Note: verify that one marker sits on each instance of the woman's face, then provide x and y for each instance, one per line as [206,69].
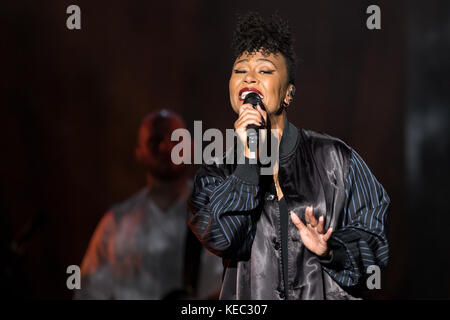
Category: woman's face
[264,74]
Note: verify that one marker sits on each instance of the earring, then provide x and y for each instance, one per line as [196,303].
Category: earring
[291,94]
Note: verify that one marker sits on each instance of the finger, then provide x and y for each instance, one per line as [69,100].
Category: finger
[309,216]
[296,220]
[249,107]
[307,220]
[245,121]
[253,112]
[241,109]
[328,234]
[245,107]
[262,112]
[248,122]
[320,225]
[250,110]
[312,217]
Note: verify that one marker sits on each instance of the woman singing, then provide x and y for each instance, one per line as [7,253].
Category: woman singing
[311,229]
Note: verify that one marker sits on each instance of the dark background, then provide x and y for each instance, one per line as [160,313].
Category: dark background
[72,100]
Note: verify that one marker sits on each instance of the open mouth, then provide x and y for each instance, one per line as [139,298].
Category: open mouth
[245,91]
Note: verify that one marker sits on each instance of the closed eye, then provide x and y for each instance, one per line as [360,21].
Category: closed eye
[261,72]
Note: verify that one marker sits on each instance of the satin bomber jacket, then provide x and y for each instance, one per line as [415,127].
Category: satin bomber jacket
[235,214]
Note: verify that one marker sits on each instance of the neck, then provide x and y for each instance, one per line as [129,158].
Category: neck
[278,122]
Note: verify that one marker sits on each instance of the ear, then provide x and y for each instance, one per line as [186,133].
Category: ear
[290,93]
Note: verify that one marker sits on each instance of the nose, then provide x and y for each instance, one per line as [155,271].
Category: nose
[250,77]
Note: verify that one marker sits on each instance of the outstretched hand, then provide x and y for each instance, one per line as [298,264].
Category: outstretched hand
[313,236]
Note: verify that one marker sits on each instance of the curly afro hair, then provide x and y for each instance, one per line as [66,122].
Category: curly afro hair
[272,35]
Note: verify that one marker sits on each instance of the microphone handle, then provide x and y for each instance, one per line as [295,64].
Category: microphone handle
[252,139]
[252,135]
[254,126]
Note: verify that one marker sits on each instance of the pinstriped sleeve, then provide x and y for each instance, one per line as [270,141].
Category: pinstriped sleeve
[361,241]
[222,209]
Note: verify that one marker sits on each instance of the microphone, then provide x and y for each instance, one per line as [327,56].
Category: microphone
[254,99]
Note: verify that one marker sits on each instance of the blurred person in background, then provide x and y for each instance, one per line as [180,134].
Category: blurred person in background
[142,247]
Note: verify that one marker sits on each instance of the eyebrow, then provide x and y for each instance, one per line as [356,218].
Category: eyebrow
[260,59]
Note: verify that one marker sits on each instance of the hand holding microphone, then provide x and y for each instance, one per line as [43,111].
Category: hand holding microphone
[252,115]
